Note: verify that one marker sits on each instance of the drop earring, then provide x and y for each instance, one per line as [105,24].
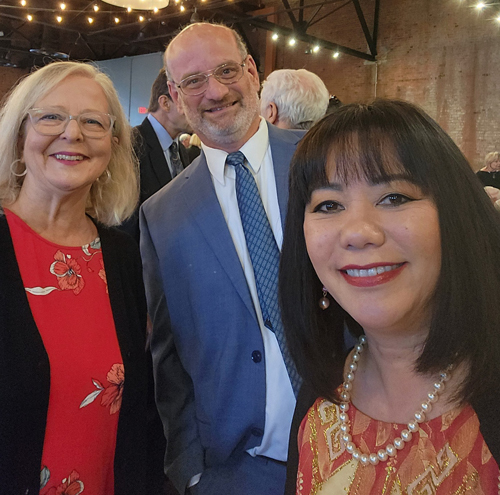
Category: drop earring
[324,302]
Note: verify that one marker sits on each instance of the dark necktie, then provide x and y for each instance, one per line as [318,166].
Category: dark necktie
[264,254]
[175,159]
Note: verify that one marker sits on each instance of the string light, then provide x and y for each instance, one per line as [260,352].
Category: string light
[336,55]
[62,6]
[480,5]
[59,18]
[155,10]
[90,20]
[141,18]
[23,3]
[29,17]
[129,9]
[315,49]
[292,41]
[117,20]
[498,18]
[96,8]
[183,8]
[275,36]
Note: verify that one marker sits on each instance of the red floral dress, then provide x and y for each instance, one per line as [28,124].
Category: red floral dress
[68,297]
[448,456]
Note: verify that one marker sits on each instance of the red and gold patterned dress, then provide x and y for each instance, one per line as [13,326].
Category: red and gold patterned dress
[447,457]
[68,297]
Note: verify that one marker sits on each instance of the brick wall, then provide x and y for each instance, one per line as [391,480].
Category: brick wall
[9,77]
[443,55]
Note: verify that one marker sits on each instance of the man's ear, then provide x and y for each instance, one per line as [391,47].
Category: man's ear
[174,93]
[271,113]
[164,103]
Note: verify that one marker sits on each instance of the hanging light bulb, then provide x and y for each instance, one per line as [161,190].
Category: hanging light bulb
[292,41]
[62,6]
[336,55]
[275,36]
[315,49]
[59,18]
[29,17]
[90,20]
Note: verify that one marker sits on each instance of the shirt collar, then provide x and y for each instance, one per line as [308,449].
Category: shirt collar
[161,133]
[254,150]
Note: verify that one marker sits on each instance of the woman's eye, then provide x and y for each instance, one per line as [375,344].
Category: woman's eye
[51,116]
[329,207]
[395,200]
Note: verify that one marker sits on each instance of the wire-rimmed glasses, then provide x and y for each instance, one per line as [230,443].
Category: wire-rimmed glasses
[197,84]
[53,121]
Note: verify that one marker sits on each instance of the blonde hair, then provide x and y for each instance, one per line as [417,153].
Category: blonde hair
[115,194]
[491,157]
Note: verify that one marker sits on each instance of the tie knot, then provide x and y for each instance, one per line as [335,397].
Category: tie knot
[235,159]
[173,147]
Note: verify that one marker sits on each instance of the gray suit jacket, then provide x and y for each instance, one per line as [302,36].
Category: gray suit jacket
[210,389]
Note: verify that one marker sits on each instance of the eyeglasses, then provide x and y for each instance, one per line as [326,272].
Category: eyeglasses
[226,74]
[53,121]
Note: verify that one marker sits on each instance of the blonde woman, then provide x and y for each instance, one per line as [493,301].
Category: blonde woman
[73,373]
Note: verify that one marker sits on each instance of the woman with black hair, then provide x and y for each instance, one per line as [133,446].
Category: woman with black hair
[389,234]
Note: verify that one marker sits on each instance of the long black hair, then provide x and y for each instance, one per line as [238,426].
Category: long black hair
[367,140]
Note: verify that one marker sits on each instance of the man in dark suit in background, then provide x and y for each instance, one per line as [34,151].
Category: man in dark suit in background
[161,156]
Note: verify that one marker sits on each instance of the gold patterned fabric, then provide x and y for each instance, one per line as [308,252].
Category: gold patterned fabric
[447,457]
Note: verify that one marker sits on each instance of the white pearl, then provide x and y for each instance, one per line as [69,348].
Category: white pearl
[373,458]
[345,396]
[350,376]
[356,455]
[398,443]
[406,435]
[382,455]
[445,376]
[426,406]
[347,386]
[419,417]
[359,348]
[355,357]
[413,426]
[344,428]
[362,339]
[439,387]
[346,438]
[353,366]
[364,459]
[391,450]
[432,397]
[344,406]
[343,417]
[350,447]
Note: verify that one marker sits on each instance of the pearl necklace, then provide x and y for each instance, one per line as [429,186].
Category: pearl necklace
[412,427]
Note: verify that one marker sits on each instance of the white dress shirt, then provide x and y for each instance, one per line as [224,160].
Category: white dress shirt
[280,400]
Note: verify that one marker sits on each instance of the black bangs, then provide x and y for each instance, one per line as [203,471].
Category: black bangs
[366,142]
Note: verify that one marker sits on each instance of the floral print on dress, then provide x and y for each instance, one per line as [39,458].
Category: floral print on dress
[112,394]
[72,485]
[102,275]
[68,271]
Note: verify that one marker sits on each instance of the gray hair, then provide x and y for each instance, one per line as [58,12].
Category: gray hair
[300,96]
[109,201]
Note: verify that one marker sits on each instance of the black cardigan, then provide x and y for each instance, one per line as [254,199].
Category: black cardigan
[487,410]
[25,369]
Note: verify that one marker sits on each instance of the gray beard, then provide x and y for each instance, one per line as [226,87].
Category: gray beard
[226,134]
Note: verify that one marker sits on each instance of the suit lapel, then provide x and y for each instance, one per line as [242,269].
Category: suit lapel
[213,226]
[155,153]
[283,145]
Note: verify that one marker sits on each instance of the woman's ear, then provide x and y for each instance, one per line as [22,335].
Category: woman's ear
[116,140]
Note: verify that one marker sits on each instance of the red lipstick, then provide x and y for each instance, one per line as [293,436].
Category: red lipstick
[371,275]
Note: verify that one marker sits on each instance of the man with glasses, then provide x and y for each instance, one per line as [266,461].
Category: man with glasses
[225,383]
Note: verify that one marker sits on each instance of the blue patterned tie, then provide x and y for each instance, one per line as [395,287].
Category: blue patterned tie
[175,159]
[264,254]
